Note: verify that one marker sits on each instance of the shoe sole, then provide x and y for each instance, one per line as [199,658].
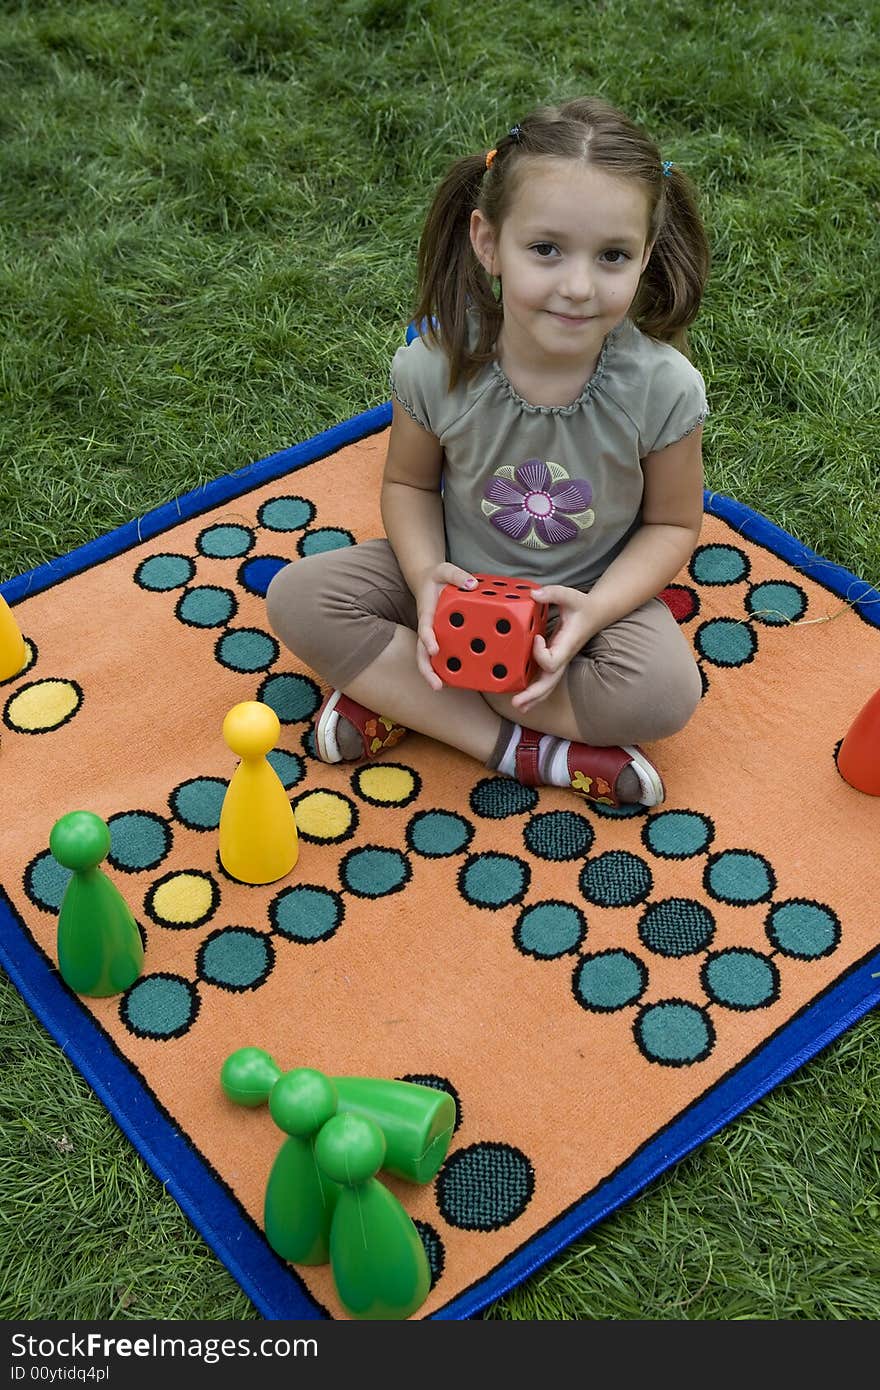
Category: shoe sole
[325,753]
[647,768]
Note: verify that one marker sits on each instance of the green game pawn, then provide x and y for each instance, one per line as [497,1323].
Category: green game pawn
[377,1258]
[417,1121]
[248,1075]
[100,951]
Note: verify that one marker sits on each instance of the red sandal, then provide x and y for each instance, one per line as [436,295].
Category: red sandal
[593,771]
[377,733]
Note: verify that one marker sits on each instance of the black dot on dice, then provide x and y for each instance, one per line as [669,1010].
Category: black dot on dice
[499,672]
[456,619]
[478,645]
[502,625]
[453,664]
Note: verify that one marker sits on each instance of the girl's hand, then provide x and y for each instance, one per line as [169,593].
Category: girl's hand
[574,630]
[427,594]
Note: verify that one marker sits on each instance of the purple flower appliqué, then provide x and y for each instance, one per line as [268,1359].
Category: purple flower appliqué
[538,504]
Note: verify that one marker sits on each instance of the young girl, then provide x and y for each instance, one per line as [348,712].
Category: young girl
[544,426]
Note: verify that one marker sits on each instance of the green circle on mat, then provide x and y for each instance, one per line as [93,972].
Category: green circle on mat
[286,513]
[246,649]
[484,1187]
[198,803]
[493,880]
[45,881]
[493,798]
[559,835]
[802,929]
[163,572]
[726,642]
[327,538]
[776,603]
[676,927]
[225,542]
[678,834]
[289,766]
[306,913]
[719,564]
[138,840]
[738,876]
[674,1033]
[293,698]
[616,879]
[373,872]
[207,606]
[609,980]
[437,834]
[550,929]
[741,979]
[160,1006]
[236,957]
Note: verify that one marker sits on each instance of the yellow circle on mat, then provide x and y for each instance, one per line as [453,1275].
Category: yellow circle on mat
[43,705]
[324,815]
[183,898]
[393,785]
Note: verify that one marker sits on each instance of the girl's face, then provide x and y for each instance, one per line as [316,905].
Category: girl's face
[569,253]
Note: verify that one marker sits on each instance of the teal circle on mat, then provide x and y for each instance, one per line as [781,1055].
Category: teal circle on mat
[237,958]
[549,929]
[289,766]
[776,603]
[293,698]
[609,980]
[286,513]
[163,572]
[207,605]
[484,1187]
[559,835]
[674,1033]
[719,564]
[246,649]
[740,979]
[138,840]
[676,927]
[739,877]
[45,881]
[678,834]
[494,798]
[374,872]
[804,930]
[434,1250]
[326,538]
[225,542]
[437,834]
[306,913]
[160,1006]
[493,880]
[198,802]
[726,642]
[616,879]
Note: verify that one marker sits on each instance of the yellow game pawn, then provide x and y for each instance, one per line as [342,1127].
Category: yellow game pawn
[13,652]
[258,839]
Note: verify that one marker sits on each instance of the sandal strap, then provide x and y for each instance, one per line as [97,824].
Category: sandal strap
[369,725]
[527,757]
[594,770]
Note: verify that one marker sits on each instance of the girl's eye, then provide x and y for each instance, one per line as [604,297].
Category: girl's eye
[614,256]
[544,249]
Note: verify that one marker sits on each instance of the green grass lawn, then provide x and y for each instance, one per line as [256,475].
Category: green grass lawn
[210,214]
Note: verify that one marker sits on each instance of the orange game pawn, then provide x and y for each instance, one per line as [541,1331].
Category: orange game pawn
[858,759]
[258,836]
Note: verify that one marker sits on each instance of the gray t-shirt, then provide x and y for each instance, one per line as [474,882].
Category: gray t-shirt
[550,493]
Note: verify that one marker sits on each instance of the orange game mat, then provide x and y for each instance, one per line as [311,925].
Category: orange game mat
[599,990]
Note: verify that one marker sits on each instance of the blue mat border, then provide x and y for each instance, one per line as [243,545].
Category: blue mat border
[270,1283]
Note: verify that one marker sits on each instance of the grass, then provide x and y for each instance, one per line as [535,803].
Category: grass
[209,222]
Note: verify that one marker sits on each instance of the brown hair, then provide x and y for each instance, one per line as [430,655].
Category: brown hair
[451,280]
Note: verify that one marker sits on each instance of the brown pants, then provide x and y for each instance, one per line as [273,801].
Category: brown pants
[634,682]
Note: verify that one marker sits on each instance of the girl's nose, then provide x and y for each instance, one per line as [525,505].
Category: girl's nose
[577,283]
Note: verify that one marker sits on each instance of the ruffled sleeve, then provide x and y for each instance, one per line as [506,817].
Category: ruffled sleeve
[419,382]
[675,405]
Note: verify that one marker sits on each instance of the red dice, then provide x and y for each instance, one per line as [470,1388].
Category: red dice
[486,634]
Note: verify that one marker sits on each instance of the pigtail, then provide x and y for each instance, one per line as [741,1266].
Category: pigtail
[672,285]
[450,278]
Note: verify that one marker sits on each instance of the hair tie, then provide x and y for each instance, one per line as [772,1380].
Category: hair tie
[489,157]
[667,168]
[515,133]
